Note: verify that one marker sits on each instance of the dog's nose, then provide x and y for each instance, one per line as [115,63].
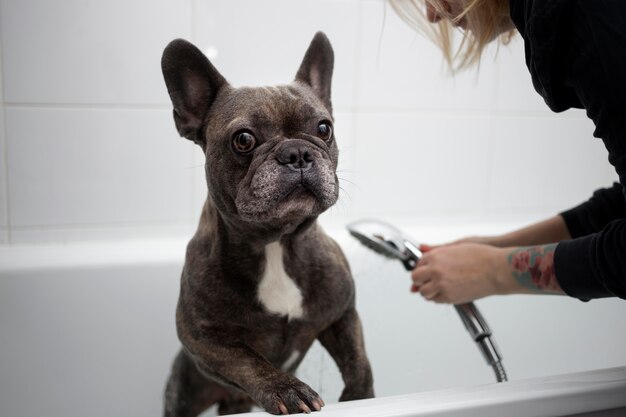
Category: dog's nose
[296,156]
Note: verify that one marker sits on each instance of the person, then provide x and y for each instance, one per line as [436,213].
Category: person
[576,53]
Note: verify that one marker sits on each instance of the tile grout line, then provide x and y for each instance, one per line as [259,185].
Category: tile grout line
[88,106]
[487,193]
[5,143]
[400,111]
[355,94]
[114,223]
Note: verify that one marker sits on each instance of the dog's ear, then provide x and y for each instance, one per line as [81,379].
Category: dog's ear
[193,83]
[316,69]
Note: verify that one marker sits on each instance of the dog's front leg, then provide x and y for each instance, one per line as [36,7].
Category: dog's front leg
[240,366]
[344,341]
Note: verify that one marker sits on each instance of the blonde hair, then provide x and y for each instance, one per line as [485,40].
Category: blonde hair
[486,20]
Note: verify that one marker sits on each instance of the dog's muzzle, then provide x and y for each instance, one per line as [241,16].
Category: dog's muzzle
[298,178]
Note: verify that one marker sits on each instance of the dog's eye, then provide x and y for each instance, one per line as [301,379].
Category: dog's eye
[244,142]
[324,131]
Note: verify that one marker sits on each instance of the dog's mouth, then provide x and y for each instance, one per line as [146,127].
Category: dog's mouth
[300,191]
[277,198]
[299,198]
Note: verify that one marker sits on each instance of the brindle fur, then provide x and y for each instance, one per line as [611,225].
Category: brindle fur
[233,348]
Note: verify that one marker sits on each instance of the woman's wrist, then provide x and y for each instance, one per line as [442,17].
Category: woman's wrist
[528,269]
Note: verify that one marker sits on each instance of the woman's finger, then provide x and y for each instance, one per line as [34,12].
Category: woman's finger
[428,291]
[420,275]
[425,248]
[440,298]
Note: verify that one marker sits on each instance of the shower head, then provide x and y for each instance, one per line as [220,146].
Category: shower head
[389,241]
[386,240]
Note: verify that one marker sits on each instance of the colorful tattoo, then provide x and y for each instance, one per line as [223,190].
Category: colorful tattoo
[534,268]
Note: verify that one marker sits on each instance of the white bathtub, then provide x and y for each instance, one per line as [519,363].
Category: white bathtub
[599,393]
[88,330]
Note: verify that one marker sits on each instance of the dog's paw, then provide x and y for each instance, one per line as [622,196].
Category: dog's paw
[289,396]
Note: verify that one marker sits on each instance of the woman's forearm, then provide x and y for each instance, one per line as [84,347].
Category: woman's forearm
[530,270]
[547,231]
[467,271]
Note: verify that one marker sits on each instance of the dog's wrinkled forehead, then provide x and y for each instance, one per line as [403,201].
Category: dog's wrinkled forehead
[286,108]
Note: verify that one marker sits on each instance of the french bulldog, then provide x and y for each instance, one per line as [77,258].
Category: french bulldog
[261,280]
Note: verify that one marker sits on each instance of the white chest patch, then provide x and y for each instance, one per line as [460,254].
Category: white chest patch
[277,291]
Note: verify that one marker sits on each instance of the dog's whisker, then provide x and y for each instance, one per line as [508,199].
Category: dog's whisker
[339,206]
[347,180]
[353,184]
[345,193]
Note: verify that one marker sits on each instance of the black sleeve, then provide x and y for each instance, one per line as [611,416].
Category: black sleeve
[592,37]
[594,266]
[606,205]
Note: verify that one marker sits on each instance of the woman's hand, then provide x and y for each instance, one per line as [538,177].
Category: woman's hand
[460,272]
[521,261]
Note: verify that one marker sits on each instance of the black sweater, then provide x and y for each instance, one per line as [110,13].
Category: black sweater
[576,54]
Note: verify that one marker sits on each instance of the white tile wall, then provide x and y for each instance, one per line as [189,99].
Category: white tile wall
[91,151]
[418,164]
[551,162]
[399,69]
[266,44]
[88,51]
[514,87]
[105,166]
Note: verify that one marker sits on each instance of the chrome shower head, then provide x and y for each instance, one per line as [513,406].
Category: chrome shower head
[386,240]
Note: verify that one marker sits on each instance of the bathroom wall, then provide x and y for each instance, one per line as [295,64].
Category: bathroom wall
[88,150]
